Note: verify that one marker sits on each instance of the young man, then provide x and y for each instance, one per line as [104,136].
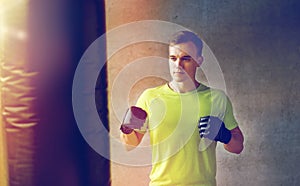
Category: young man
[178,116]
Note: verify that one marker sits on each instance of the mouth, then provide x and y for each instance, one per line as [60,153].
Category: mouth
[178,72]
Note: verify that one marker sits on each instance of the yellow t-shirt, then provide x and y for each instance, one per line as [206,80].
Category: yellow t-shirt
[172,124]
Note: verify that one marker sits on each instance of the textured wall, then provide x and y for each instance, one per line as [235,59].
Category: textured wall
[257,46]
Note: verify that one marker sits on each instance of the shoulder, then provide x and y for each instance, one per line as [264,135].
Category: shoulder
[153,91]
[218,92]
[217,95]
[214,92]
[148,95]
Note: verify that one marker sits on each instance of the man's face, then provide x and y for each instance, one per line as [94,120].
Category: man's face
[183,61]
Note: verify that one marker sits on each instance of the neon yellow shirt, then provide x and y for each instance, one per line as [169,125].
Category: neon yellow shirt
[172,124]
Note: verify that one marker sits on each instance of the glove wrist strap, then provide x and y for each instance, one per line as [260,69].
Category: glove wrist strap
[226,136]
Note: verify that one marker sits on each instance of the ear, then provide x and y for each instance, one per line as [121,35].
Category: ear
[200,60]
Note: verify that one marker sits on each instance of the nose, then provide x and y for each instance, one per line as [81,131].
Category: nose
[178,62]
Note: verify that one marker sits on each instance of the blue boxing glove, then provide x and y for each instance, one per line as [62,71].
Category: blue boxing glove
[214,129]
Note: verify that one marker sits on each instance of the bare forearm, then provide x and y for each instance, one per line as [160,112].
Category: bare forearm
[235,145]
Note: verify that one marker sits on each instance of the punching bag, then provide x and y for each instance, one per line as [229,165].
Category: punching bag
[40,141]
[18,95]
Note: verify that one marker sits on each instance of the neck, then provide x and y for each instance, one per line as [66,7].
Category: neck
[182,87]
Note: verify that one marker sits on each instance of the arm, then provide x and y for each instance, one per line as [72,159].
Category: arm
[235,145]
[131,140]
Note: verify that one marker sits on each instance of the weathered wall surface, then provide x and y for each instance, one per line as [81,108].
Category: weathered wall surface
[257,46]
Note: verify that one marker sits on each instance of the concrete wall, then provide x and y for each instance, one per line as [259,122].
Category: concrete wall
[257,46]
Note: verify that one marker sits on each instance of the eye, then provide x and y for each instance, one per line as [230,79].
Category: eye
[172,58]
[186,58]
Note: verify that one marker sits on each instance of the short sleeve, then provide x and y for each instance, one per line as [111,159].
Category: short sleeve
[229,119]
[142,102]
